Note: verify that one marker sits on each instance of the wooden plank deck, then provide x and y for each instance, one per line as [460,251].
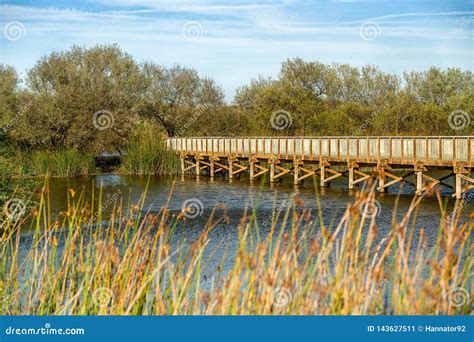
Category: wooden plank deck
[381,152]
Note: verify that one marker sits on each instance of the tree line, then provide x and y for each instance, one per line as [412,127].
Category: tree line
[97,98]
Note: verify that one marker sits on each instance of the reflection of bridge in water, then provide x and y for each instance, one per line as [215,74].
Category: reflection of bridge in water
[305,157]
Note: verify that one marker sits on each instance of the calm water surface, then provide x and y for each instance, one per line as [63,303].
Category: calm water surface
[235,196]
[238,195]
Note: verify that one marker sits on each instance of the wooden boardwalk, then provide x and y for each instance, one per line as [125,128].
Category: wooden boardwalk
[317,156]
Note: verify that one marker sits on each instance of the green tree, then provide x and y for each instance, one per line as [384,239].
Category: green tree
[178,97]
[9,82]
[84,99]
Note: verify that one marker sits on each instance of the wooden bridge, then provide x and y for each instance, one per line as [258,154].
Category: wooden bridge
[333,157]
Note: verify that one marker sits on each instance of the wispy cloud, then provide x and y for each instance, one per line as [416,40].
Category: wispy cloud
[242,39]
[422,15]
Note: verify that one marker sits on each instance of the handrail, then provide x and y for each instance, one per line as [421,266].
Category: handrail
[322,136]
[427,150]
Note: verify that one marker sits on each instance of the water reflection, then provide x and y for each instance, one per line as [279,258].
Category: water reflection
[240,194]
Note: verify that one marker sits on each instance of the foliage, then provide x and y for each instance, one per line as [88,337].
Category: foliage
[343,100]
[68,88]
[56,106]
[146,154]
[176,95]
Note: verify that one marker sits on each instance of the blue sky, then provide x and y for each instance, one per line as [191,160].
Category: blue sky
[235,41]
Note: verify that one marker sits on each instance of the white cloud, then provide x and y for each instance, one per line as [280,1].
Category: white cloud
[242,43]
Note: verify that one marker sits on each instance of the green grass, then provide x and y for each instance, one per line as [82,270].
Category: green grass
[66,163]
[147,155]
[128,265]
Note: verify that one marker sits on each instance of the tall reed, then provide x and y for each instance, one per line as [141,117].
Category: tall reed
[129,264]
[146,155]
[63,163]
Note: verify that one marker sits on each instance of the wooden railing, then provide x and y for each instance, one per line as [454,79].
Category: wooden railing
[435,151]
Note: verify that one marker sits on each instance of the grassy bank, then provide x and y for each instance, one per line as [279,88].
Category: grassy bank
[302,266]
[145,155]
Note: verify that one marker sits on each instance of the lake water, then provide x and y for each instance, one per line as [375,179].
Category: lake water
[239,194]
[232,199]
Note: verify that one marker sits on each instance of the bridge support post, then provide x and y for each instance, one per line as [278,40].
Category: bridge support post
[301,172]
[234,161]
[322,173]
[272,170]
[353,171]
[182,164]
[252,168]
[461,173]
[255,166]
[419,169]
[382,175]
[324,181]
[231,167]
[211,167]
[351,178]
[296,171]
[458,186]
[419,181]
[198,166]
[352,166]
